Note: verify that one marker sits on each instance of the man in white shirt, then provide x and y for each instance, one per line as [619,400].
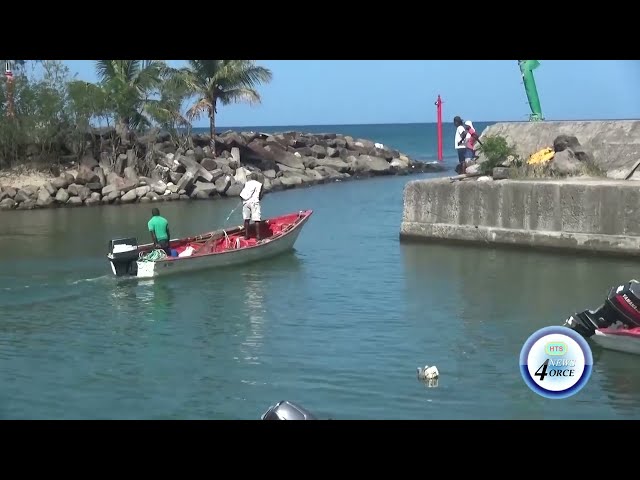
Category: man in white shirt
[460,146]
[251,195]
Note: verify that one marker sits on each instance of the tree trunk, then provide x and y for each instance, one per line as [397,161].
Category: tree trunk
[123,130]
[212,127]
[10,102]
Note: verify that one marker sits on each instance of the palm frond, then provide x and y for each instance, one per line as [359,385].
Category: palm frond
[129,70]
[243,73]
[149,75]
[201,106]
[164,114]
[139,121]
[106,70]
[238,95]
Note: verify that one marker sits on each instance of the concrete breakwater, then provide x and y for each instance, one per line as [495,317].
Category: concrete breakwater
[591,215]
[614,144]
[567,212]
[153,167]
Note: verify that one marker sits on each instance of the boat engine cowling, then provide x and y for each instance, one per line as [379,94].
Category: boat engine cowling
[123,255]
[286,410]
[622,305]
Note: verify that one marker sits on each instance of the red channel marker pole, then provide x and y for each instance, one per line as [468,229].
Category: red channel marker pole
[439,105]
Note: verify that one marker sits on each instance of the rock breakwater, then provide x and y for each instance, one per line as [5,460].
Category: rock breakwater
[158,167]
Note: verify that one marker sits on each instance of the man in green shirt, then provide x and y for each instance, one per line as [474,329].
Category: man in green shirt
[159,229]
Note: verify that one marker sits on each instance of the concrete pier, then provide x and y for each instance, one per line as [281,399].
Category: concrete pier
[598,215]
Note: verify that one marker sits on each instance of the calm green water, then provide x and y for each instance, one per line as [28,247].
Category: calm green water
[340,325]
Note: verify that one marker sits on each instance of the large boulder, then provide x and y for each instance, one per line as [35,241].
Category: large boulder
[368,164]
[129,197]
[255,154]
[60,182]
[7,204]
[222,184]
[88,162]
[22,196]
[62,196]
[49,188]
[44,198]
[565,163]
[335,163]
[280,155]
[204,189]
[562,142]
[209,164]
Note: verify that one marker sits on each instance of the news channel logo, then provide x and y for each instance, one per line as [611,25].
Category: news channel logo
[556,362]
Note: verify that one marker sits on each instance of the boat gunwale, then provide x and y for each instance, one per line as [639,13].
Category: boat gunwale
[306,214]
[619,333]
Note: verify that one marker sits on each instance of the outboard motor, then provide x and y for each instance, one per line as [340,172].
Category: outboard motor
[123,255]
[286,410]
[622,305]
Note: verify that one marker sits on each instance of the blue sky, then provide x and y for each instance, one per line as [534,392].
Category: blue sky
[326,92]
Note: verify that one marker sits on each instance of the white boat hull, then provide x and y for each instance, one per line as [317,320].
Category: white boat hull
[269,249]
[619,343]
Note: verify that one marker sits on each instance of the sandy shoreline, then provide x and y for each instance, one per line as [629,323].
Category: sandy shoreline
[21,177]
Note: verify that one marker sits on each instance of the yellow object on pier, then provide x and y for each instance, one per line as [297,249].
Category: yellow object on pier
[542,156]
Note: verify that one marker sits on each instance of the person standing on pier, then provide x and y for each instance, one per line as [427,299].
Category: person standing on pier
[470,143]
[460,146]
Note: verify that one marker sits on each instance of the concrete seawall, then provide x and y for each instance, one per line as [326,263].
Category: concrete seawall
[614,144]
[586,215]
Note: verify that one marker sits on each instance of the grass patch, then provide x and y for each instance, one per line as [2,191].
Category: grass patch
[524,171]
[496,151]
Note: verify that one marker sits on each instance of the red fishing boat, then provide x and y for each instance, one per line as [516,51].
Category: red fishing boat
[215,249]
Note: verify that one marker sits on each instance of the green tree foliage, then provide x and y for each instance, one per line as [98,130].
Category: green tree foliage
[56,115]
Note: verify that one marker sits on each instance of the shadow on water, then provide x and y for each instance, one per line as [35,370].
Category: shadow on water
[157,298]
[142,299]
[484,303]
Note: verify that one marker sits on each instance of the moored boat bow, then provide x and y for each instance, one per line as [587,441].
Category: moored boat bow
[615,325]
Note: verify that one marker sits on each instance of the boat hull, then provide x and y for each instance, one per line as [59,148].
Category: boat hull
[618,342]
[226,259]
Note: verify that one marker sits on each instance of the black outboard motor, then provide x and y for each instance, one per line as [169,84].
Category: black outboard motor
[286,410]
[123,255]
[622,305]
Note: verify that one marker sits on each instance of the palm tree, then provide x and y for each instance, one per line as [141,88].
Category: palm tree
[227,81]
[129,85]
[166,111]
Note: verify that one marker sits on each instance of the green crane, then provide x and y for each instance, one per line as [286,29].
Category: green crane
[526,69]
